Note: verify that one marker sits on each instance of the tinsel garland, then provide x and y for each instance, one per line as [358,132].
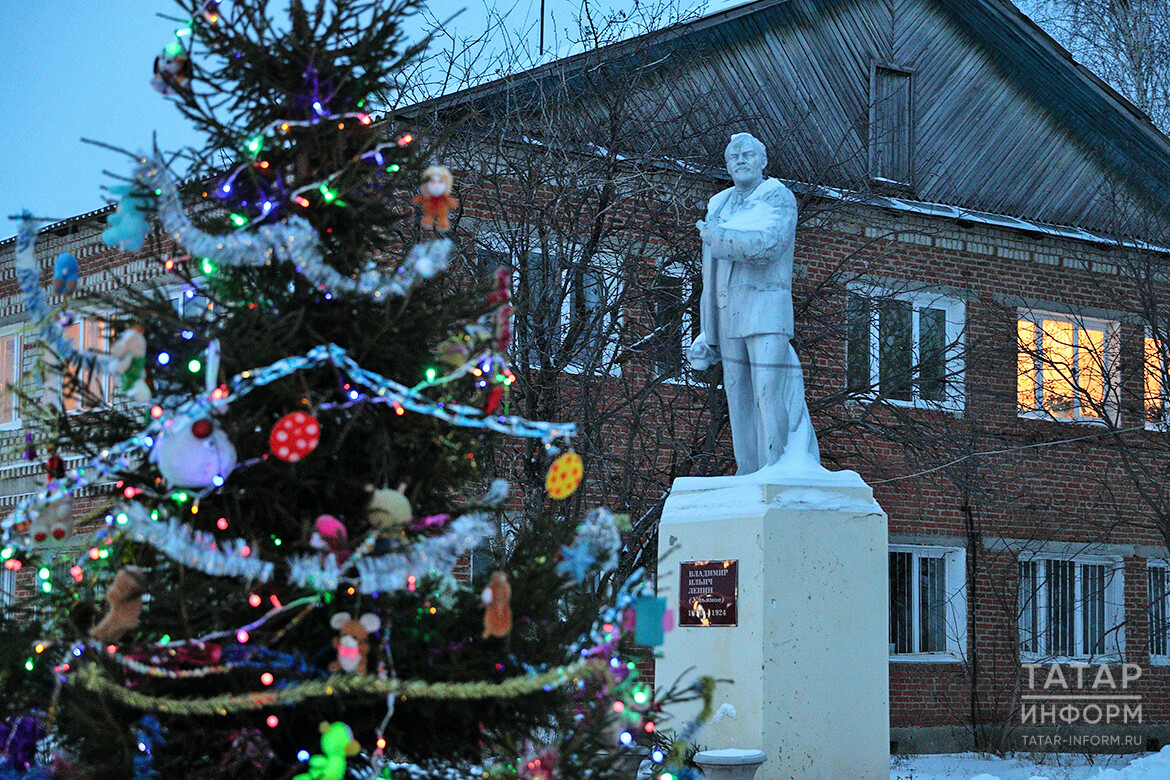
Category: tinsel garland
[440,553]
[28,278]
[598,542]
[117,456]
[293,240]
[234,659]
[197,549]
[346,685]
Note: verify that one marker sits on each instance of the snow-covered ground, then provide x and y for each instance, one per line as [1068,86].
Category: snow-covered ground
[1035,766]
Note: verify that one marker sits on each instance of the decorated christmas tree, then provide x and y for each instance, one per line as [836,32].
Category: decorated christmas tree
[291,479]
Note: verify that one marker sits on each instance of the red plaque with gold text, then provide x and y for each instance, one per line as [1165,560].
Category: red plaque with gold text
[708,591]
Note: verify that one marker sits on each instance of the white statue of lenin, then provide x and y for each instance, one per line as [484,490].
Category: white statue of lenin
[745,313]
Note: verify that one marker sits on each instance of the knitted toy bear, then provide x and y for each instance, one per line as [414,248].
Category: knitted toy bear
[125,598]
[497,597]
[435,197]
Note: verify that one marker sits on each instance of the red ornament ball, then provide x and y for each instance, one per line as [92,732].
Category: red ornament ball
[294,436]
[201,429]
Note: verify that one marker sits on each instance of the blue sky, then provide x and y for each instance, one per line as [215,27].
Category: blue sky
[78,68]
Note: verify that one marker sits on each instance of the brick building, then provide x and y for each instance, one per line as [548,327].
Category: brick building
[979,314]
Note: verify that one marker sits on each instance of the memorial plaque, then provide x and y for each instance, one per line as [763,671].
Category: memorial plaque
[708,591]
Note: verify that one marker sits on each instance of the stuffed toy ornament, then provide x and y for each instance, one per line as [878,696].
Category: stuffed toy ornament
[54,523]
[126,228]
[353,641]
[130,352]
[389,510]
[125,599]
[497,597]
[65,274]
[435,197]
[172,69]
[192,453]
[330,536]
[337,744]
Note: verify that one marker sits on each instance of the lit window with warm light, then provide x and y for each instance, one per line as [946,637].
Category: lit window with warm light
[1067,367]
[73,388]
[10,357]
[1154,368]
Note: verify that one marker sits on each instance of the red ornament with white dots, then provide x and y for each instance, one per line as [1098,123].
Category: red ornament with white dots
[294,436]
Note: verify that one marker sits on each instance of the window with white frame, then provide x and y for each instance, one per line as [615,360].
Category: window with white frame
[75,389]
[1158,588]
[928,606]
[1067,367]
[7,589]
[188,302]
[905,346]
[1071,607]
[676,319]
[566,308]
[10,357]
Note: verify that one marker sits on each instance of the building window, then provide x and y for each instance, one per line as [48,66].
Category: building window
[76,389]
[1071,608]
[1158,584]
[676,320]
[566,309]
[10,357]
[1067,367]
[7,590]
[928,609]
[890,125]
[905,346]
[1154,368]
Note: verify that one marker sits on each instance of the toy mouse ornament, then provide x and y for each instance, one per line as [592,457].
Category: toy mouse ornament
[435,197]
[337,744]
[125,598]
[353,641]
[497,597]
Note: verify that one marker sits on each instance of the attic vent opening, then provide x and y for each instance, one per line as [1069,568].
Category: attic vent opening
[890,124]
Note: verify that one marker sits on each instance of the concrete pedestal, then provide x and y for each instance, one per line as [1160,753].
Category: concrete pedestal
[809,653]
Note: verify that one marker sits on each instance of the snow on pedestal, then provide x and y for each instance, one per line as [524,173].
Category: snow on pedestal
[809,652]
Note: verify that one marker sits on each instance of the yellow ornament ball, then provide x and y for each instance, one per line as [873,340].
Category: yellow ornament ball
[564,476]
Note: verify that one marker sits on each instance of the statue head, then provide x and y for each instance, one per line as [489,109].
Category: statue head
[745,157]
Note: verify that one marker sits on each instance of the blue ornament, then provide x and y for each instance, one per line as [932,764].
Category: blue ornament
[126,228]
[149,734]
[65,274]
[648,614]
[576,561]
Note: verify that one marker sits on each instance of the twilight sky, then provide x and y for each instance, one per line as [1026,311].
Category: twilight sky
[78,68]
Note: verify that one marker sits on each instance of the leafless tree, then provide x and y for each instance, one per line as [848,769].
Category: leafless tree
[1126,42]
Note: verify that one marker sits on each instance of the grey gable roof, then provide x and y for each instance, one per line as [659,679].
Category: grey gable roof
[1005,120]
